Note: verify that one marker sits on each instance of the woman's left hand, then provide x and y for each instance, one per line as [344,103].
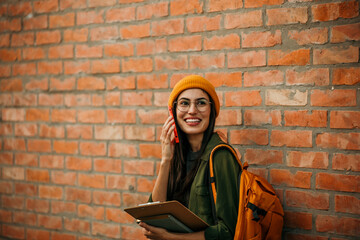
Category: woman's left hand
[155,233]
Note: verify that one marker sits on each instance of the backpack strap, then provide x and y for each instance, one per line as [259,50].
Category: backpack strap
[211,166]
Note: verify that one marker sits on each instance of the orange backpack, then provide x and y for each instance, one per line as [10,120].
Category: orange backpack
[260,214]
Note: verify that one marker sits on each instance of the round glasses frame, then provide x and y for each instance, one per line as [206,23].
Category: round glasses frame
[200,104]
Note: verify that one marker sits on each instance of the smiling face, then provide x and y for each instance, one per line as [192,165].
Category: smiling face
[193,122]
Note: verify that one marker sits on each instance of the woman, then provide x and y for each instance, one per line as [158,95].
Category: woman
[183,174]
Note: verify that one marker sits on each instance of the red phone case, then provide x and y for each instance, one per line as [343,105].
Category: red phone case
[175,131]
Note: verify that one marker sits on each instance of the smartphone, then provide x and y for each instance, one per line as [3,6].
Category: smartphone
[175,131]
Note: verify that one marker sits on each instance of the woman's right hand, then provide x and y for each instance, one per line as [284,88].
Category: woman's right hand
[167,139]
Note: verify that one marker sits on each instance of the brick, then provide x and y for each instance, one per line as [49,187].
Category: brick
[122,150]
[5,71]
[93,149]
[137,65]
[304,118]
[66,147]
[167,27]
[286,97]
[152,81]
[298,220]
[313,77]
[62,20]
[145,185]
[120,182]
[48,37]
[50,192]
[291,138]
[257,3]
[79,164]
[12,85]
[20,8]
[91,116]
[336,55]
[37,84]
[281,16]
[101,3]
[181,7]
[22,39]
[37,175]
[112,99]
[27,189]
[90,212]
[117,215]
[107,198]
[78,195]
[203,24]
[135,31]
[263,157]
[35,22]
[14,144]
[246,59]
[337,182]
[104,33]
[243,98]
[62,85]
[76,35]
[90,83]
[72,100]
[231,41]
[299,57]
[25,129]
[184,44]
[69,4]
[129,232]
[46,6]
[75,67]
[79,132]
[25,218]
[337,225]
[149,47]
[261,39]
[298,179]
[243,20]
[205,61]
[59,236]
[120,14]
[319,160]
[139,167]
[333,98]
[77,225]
[218,79]
[53,67]
[249,137]
[63,115]
[90,17]
[229,117]
[33,234]
[106,230]
[91,180]
[345,119]
[50,222]
[343,33]
[33,53]
[10,55]
[139,133]
[152,10]
[50,99]
[119,82]
[64,51]
[309,36]
[24,99]
[269,78]
[121,116]
[150,151]
[180,62]
[13,173]
[119,50]
[26,159]
[86,51]
[334,11]
[33,114]
[308,200]
[51,161]
[347,204]
[348,162]
[108,165]
[220,5]
[346,76]
[51,131]
[5,40]
[262,117]
[13,232]
[347,141]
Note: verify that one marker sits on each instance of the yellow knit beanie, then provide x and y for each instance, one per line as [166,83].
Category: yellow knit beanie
[195,81]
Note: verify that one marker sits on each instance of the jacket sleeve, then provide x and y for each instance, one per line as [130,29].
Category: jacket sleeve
[226,171]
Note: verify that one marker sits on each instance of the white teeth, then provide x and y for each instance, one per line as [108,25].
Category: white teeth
[192,120]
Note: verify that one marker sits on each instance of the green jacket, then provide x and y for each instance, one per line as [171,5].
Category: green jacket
[226,170]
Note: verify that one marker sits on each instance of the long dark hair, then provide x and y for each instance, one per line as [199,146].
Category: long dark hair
[180,181]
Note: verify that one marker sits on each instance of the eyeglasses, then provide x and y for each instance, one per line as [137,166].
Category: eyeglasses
[183,105]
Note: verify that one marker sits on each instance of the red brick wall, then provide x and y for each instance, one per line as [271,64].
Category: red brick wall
[83,92]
